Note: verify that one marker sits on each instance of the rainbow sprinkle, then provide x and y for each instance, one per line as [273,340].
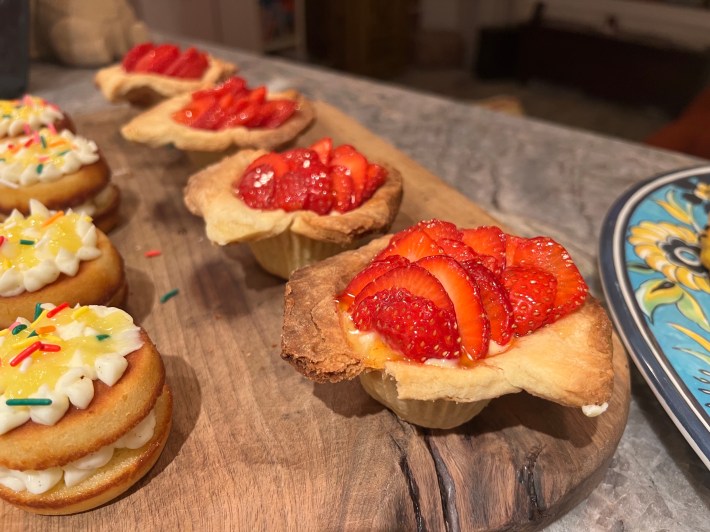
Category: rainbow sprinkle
[169,295]
[57,310]
[27,242]
[102,337]
[27,401]
[152,253]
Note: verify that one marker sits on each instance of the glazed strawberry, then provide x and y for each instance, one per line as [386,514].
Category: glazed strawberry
[532,294]
[376,176]
[356,166]
[414,325]
[157,60]
[276,112]
[324,149]
[413,278]
[472,321]
[190,64]
[413,245]
[512,243]
[342,189]
[134,54]
[495,301]
[275,161]
[256,187]
[290,192]
[204,114]
[435,229]
[489,241]
[457,249]
[301,157]
[320,189]
[369,274]
[548,255]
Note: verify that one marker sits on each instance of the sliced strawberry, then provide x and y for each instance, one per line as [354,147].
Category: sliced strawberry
[369,274]
[301,158]
[291,191]
[323,148]
[356,165]
[320,189]
[552,257]
[436,229]
[512,243]
[490,241]
[256,187]
[275,161]
[202,113]
[234,85]
[342,189]
[414,279]
[532,294]
[276,112]
[495,301]
[258,94]
[472,321]
[134,54]
[457,249]
[376,176]
[190,64]
[158,59]
[413,325]
[414,245]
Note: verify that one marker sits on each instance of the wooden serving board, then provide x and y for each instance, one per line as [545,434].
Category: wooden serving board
[255,446]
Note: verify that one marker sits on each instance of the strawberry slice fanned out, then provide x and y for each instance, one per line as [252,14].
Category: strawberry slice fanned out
[532,294]
[546,254]
[373,271]
[414,245]
[473,324]
[495,301]
[490,241]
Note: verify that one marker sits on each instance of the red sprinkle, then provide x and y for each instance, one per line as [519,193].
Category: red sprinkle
[28,143]
[2,240]
[153,253]
[52,348]
[25,353]
[57,310]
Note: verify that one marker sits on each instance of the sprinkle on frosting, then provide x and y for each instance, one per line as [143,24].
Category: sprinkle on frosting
[27,115]
[169,295]
[44,156]
[34,252]
[62,359]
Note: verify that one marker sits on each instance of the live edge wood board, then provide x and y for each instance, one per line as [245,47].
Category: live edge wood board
[255,446]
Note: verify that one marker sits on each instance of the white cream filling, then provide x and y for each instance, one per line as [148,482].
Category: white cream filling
[40,115]
[15,280]
[82,153]
[37,482]
[98,203]
[75,386]
[594,410]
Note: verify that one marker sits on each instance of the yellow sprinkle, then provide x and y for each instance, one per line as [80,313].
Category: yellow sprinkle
[27,341]
[79,312]
[53,218]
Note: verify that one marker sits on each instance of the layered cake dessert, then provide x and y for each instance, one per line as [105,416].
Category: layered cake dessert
[151,72]
[84,408]
[296,207]
[55,257]
[437,321]
[61,170]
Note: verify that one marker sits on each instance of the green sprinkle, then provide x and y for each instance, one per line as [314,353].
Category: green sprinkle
[169,295]
[40,167]
[102,337]
[7,116]
[19,328]
[44,142]
[28,402]
[38,310]
[27,242]
[33,333]
[63,152]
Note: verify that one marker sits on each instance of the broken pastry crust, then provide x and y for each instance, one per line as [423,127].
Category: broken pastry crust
[209,194]
[568,362]
[144,88]
[156,127]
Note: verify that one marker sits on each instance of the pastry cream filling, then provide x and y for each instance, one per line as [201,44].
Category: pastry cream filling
[43,157]
[76,347]
[37,482]
[98,203]
[594,410]
[29,112]
[35,250]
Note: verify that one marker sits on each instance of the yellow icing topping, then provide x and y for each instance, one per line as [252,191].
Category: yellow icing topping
[26,242]
[81,336]
[24,108]
[39,149]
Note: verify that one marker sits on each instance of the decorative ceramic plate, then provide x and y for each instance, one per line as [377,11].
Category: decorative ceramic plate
[659,292]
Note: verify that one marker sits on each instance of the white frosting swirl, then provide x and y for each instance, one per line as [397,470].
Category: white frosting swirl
[37,482]
[33,113]
[58,248]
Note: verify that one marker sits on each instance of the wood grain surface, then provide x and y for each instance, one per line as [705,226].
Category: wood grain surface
[255,446]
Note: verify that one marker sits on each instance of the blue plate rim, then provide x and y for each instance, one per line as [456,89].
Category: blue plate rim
[661,378]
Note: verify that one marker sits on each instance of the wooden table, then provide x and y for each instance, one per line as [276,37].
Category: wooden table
[534,177]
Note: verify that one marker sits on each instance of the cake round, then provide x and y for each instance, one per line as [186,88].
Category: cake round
[84,408]
[56,257]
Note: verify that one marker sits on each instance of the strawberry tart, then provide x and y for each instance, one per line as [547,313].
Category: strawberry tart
[150,72]
[226,117]
[437,321]
[296,207]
